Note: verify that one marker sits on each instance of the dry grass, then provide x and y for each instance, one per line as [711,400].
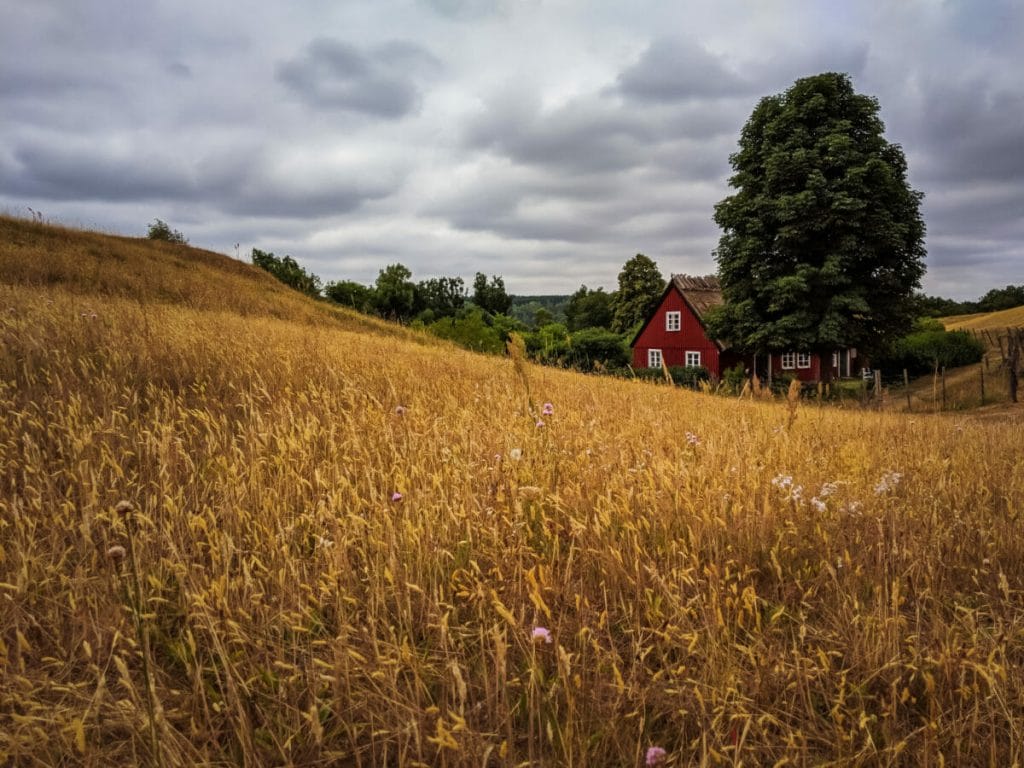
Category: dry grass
[764,592]
[991,321]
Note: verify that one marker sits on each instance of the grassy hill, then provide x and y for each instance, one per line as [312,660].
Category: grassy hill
[1007,318]
[345,548]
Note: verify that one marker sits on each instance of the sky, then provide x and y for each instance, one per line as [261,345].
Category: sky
[546,141]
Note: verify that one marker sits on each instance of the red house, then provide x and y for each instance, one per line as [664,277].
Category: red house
[674,335]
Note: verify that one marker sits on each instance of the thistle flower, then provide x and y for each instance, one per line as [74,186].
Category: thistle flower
[539,423]
[116,553]
[515,454]
[548,409]
[692,439]
[655,756]
[396,496]
[400,410]
[540,634]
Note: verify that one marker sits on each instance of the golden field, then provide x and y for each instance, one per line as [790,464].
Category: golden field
[736,582]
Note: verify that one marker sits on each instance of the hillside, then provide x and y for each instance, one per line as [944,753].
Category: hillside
[344,548]
[86,263]
[1007,318]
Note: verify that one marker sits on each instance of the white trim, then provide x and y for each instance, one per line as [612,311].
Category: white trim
[803,359]
[788,360]
[654,358]
[691,354]
[673,326]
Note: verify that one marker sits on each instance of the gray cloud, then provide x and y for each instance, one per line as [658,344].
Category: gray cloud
[545,142]
[380,82]
[679,70]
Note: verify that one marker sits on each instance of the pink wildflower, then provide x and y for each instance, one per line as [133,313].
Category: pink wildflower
[548,410]
[541,634]
[655,756]
[396,496]
[539,423]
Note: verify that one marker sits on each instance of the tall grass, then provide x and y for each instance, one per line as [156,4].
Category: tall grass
[341,545]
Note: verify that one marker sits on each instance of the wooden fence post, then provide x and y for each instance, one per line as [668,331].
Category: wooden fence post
[878,387]
[981,370]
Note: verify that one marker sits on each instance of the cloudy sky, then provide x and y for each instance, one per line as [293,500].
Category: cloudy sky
[543,140]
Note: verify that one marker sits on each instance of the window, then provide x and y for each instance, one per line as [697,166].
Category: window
[654,358]
[803,360]
[835,359]
[788,361]
[692,359]
[673,321]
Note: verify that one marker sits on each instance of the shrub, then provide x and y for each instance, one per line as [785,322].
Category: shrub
[160,230]
[597,345]
[921,351]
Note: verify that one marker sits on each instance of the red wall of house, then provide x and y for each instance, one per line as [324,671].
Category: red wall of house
[675,344]
[814,373]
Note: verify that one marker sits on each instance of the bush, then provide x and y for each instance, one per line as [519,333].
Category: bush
[548,344]
[160,230]
[597,345]
[920,352]
[682,376]
[470,330]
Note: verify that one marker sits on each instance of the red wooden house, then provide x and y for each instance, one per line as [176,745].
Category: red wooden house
[674,335]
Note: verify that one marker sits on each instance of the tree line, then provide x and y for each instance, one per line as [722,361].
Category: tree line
[594,332]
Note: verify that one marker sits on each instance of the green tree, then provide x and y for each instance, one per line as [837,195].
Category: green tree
[822,243]
[640,288]
[1002,298]
[161,230]
[442,296]
[288,271]
[395,293]
[356,295]
[471,330]
[589,309]
[491,296]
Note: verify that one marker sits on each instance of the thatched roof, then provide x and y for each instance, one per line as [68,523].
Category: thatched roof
[701,293]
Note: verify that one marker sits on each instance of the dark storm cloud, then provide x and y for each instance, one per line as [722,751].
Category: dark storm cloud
[381,82]
[972,132]
[51,171]
[673,70]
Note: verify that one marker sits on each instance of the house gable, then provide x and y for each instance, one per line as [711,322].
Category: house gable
[688,297]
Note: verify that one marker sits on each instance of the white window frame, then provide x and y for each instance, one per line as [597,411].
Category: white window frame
[788,360]
[835,360]
[654,358]
[673,321]
[803,360]
[692,356]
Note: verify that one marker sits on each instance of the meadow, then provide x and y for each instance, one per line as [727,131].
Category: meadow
[240,528]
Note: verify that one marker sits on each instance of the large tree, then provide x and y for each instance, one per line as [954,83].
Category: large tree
[822,243]
[640,288]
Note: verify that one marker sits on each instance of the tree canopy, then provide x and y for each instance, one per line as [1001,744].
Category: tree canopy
[288,271]
[589,309]
[640,288]
[491,296]
[822,242]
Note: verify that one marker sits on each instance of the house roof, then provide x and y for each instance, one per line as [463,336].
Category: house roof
[699,293]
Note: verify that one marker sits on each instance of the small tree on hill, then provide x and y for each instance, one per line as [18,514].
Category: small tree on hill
[396,293]
[161,230]
[822,243]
